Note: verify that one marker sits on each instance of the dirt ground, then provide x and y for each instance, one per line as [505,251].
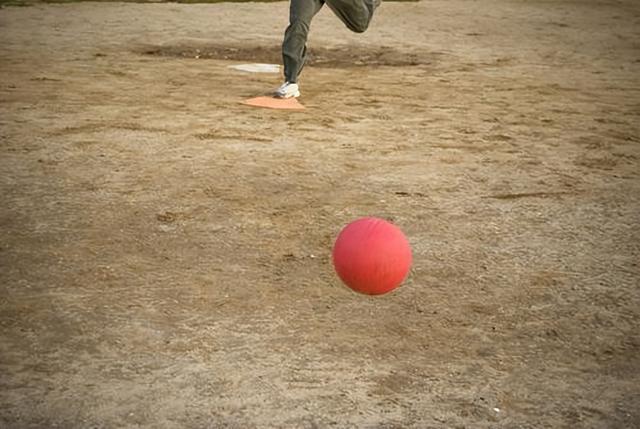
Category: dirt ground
[165,250]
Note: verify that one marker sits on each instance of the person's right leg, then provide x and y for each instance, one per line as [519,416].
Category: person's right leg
[356,14]
[294,46]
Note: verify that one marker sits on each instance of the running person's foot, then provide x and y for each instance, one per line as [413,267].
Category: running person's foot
[288,90]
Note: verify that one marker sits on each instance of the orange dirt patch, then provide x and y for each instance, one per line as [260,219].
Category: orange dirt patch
[275,103]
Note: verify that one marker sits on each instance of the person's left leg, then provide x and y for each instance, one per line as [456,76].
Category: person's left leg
[355,14]
[294,46]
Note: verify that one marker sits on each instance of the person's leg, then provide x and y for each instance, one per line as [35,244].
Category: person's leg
[294,46]
[356,14]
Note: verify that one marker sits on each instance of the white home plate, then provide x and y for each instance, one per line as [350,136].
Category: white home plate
[257,68]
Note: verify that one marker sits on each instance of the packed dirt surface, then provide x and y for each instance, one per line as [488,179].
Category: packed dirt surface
[165,251]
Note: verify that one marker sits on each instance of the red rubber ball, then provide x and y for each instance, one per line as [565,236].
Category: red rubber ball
[372,256]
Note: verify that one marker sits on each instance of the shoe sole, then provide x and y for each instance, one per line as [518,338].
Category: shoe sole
[294,95]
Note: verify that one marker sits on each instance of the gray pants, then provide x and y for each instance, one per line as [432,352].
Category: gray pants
[356,15]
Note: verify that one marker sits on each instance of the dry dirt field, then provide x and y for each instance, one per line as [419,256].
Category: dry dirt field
[165,250]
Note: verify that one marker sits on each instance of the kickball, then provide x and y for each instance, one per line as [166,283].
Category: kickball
[372,256]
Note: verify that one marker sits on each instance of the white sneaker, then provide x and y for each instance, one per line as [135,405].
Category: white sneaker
[288,90]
